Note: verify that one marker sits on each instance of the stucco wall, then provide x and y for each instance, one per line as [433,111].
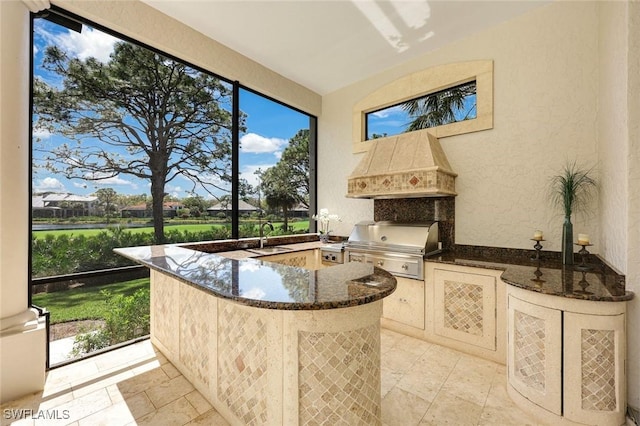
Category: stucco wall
[545,112]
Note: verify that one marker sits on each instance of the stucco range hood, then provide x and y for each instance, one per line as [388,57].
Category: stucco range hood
[404,166]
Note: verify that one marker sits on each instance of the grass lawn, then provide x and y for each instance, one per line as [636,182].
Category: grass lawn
[84,302]
[302,225]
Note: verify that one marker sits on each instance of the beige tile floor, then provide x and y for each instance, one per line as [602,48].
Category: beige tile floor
[422,384]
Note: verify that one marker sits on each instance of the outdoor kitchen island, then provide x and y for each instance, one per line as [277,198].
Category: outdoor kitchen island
[268,343]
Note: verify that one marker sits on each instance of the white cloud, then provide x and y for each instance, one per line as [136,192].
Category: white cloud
[256,144]
[89,43]
[41,133]
[384,113]
[105,179]
[248,172]
[49,184]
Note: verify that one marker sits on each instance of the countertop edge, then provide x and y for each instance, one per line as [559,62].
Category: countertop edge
[256,303]
[504,267]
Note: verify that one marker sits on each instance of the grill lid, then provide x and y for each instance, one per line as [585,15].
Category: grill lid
[414,238]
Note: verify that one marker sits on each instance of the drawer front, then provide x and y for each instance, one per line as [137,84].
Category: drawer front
[406,304]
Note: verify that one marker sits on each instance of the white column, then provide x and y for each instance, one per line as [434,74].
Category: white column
[22,334]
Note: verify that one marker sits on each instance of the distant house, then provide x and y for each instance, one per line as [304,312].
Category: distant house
[169,209]
[63,205]
[225,207]
[299,211]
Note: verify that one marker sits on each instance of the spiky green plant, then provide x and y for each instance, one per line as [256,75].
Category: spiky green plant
[573,189]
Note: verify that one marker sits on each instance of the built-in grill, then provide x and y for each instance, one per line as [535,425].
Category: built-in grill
[399,248]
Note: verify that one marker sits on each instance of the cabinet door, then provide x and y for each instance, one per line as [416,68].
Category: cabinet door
[465,307]
[406,304]
[594,357]
[535,353]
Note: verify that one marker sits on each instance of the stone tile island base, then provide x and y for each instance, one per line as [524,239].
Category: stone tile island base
[266,366]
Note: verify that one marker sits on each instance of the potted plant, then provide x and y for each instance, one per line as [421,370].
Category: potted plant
[323,219]
[571,191]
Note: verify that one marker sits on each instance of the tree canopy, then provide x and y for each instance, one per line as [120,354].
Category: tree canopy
[439,108]
[286,184]
[140,114]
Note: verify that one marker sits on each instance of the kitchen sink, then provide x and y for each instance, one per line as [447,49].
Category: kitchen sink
[270,250]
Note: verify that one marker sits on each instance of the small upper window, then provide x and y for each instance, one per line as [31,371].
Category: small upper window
[450,105]
[445,100]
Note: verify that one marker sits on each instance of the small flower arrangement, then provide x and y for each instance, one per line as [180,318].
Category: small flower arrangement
[324,218]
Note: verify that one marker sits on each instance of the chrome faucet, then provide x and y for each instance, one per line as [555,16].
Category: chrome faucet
[263,238]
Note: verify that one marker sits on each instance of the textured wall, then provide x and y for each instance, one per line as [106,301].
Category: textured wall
[545,112]
[619,153]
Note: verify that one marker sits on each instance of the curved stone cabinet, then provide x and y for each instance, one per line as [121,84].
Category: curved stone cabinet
[268,343]
[565,329]
[566,357]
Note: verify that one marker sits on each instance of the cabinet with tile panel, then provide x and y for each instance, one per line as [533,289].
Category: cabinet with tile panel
[466,309]
[455,306]
[566,357]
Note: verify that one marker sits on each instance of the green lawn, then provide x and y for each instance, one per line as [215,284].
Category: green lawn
[149,229]
[84,302]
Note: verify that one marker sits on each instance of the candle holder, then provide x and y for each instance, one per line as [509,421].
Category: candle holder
[538,247]
[584,253]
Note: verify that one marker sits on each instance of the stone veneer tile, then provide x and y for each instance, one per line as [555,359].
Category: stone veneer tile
[463,308]
[242,364]
[529,350]
[339,377]
[598,370]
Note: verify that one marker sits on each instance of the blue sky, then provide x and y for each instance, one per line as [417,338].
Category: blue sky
[269,124]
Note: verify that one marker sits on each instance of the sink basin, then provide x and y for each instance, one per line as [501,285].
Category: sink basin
[269,250]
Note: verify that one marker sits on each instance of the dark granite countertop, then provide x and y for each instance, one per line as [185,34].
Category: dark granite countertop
[263,284]
[547,275]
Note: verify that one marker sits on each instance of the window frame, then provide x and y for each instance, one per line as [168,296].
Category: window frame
[64,16]
[423,83]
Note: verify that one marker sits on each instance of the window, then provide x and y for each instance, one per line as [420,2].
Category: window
[445,106]
[131,147]
[397,107]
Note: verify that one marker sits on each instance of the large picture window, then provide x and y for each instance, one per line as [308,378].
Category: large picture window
[132,146]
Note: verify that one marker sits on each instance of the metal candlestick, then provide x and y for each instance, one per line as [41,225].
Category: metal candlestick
[584,253]
[538,247]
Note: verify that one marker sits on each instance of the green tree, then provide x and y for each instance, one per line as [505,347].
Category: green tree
[196,205]
[278,191]
[107,198]
[295,160]
[438,108]
[152,117]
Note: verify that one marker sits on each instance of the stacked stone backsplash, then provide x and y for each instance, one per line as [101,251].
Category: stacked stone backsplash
[409,210]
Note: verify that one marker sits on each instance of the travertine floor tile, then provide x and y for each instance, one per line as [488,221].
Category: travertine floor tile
[421,383]
[448,409]
[177,412]
[166,392]
[402,408]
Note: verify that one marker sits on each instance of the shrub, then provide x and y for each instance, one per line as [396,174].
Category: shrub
[126,319]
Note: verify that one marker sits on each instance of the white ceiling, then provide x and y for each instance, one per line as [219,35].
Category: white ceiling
[328,44]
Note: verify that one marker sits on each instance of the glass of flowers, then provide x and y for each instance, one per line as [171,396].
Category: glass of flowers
[324,218]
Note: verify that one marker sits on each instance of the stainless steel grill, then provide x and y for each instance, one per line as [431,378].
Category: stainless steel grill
[399,248]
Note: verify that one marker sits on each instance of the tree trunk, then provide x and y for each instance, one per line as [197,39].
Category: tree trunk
[157,208]
[285,212]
